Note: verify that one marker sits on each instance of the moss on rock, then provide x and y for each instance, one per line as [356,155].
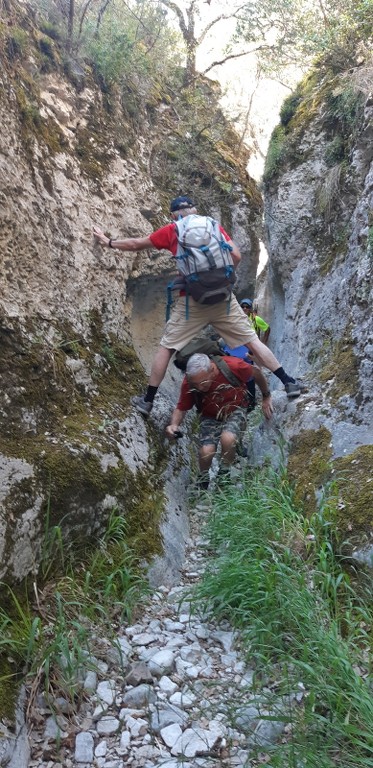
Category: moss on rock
[355,489]
[309,465]
[343,369]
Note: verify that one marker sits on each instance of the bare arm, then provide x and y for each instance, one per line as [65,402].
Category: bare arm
[235,253]
[177,418]
[128,244]
[262,383]
[266,335]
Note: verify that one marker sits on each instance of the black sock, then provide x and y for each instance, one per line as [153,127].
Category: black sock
[280,373]
[150,394]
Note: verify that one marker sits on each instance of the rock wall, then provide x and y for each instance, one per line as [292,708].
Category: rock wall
[79,324]
[317,293]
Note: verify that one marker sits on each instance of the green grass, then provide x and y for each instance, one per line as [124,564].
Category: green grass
[275,577]
[47,634]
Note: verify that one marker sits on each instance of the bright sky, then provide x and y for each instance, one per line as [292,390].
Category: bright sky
[238,80]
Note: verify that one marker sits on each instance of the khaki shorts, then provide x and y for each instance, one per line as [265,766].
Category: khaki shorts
[211,429]
[227,319]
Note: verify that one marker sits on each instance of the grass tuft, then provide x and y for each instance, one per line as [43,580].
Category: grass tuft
[275,576]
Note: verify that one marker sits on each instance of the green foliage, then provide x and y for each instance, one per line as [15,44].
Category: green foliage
[289,107]
[51,641]
[50,29]
[274,575]
[344,110]
[17,43]
[128,44]
[302,30]
[276,154]
[335,151]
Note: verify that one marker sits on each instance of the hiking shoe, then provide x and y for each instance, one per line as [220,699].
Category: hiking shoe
[142,405]
[296,388]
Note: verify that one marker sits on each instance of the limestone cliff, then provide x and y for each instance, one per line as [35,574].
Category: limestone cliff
[317,295]
[75,318]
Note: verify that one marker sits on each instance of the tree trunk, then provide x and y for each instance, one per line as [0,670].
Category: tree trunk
[70,26]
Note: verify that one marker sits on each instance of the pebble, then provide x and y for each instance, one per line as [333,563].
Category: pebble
[162,692]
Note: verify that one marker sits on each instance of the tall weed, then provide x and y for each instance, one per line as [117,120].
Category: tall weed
[275,576]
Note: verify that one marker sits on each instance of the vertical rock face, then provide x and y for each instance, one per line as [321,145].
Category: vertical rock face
[317,297]
[318,219]
[79,323]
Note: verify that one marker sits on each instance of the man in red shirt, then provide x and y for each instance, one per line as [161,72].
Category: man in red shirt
[222,407]
[229,322]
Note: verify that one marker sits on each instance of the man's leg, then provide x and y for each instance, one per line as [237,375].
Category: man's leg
[180,329]
[159,366]
[265,357]
[228,447]
[206,454]
[232,432]
[144,403]
[209,433]
[235,328]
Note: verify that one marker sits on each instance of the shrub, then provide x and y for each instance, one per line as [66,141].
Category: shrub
[289,107]
[276,154]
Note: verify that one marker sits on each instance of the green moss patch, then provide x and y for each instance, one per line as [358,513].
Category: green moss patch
[309,465]
[343,369]
[61,430]
[355,490]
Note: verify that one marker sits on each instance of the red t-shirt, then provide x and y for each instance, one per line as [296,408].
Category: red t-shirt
[222,398]
[166,238]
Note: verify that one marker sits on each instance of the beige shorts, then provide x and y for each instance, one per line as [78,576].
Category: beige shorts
[227,319]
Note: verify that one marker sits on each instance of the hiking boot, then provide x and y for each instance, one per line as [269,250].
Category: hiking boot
[142,405]
[296,388]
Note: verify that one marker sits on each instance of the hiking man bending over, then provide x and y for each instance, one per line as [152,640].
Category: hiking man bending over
[188,317]
[222,407]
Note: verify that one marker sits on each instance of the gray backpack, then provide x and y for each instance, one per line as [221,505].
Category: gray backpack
[204,259]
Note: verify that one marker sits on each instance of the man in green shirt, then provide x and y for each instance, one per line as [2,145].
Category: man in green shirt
[261,328]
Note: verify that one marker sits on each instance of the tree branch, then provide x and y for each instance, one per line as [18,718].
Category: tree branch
[236,56]
[175,8]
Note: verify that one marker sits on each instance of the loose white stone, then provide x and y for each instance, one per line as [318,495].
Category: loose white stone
[182,700]
[173,626]
[167,685]
[106,691]
[185,618]
[84,748]
[170,734]
[144,638]
[124,646]
[107,725]
[137,727]
[101,749]
[99,711]
[138,697]
[224,638]
[202,632]
[161,663]
[125,741]
[90,681]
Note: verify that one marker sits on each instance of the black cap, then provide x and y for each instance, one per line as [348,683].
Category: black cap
[178,203]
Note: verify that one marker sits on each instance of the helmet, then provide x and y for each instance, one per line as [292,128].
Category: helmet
[247,303]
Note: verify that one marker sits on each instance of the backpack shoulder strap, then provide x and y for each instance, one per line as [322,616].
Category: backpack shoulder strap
[226,371]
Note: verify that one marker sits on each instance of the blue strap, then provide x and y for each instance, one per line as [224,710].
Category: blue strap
[170,301]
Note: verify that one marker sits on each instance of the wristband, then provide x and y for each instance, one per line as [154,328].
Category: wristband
[266,394]
[111,243]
